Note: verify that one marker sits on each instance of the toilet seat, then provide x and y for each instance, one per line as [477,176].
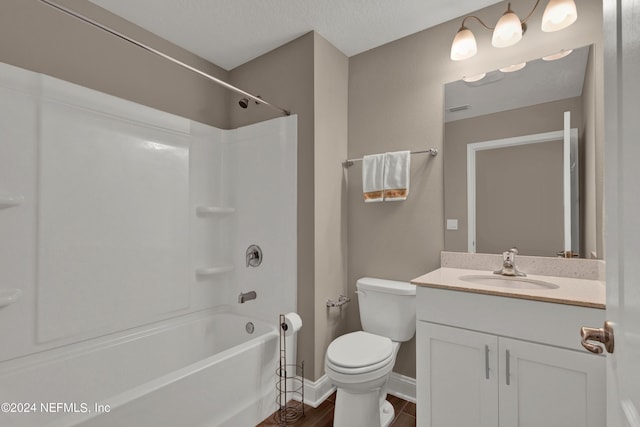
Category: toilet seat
[360,352]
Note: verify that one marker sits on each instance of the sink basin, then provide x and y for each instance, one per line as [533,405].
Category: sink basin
[511,282]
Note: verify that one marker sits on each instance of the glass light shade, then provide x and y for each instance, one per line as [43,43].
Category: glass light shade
[514,67]
[559,14]
[464,45]
[558,55]
[508,30]
[475,78]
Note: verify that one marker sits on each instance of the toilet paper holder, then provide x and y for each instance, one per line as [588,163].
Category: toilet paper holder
[342,300]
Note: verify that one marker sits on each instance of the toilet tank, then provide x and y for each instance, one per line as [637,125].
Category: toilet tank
[387,307]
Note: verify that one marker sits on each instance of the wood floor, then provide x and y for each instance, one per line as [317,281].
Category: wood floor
[322,416]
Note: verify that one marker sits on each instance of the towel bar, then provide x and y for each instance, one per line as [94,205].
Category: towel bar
[432,151]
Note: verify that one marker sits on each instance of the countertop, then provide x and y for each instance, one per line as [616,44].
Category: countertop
[570,291]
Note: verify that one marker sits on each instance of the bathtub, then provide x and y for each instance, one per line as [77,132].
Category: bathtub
[203,369]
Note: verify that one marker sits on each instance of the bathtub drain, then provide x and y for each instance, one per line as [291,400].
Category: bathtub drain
[249,327]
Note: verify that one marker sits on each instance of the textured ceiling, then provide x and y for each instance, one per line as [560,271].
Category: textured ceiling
[232,32]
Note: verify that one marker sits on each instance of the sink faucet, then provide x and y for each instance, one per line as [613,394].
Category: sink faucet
[246,296]
[509,264]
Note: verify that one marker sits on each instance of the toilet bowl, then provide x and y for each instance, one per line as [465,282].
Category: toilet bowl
[359,363]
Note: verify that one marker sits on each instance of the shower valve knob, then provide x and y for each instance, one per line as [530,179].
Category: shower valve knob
[254,256]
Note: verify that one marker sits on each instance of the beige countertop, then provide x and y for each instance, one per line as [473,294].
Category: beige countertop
[571,291]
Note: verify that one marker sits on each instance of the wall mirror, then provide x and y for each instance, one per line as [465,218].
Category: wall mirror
[519,158]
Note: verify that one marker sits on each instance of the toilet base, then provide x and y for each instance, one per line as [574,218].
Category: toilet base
[361,410]
[387,414]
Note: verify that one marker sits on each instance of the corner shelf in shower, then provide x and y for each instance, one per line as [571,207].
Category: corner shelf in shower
[9,296]
[10,201]
[211,271]
[214,210]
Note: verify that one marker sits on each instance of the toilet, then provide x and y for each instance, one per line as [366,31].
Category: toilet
[359,363]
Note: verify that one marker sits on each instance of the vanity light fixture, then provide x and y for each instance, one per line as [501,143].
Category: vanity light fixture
[559,55]
[464,44]
[514,67]
[558,15]
[508,31]
[475,78]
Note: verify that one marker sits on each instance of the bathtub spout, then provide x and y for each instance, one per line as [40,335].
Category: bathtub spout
[246,296]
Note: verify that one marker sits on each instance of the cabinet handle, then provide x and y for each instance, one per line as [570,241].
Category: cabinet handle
[486,361]
[508,367]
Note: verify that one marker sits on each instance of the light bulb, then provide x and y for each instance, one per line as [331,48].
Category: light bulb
[464,45]
[558,55]
[475,78]
[559,14]
[514,67]
[508,30]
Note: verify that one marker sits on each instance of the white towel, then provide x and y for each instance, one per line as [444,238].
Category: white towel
[396,175]
[372,177]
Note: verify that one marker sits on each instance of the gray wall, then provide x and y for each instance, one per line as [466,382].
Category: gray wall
[330,228]
[592,157]
[547,117]
[519,199]
[39,38]
[396,102]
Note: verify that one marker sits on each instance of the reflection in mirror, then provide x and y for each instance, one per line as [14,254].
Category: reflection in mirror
[519,194]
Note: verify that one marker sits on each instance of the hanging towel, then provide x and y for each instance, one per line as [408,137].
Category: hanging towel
[396,175]
[372,176]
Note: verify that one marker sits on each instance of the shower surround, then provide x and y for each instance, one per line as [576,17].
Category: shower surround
[117,218]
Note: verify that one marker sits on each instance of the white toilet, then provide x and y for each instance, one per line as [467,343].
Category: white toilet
[359,363]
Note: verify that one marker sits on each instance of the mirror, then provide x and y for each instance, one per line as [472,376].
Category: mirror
[513,176]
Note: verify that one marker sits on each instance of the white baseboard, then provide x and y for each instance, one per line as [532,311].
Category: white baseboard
[316,392]
[402,386]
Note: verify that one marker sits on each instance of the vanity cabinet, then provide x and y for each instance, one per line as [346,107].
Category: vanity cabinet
[492,361]
[457,381]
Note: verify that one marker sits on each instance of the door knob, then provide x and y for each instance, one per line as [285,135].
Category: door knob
[602,335]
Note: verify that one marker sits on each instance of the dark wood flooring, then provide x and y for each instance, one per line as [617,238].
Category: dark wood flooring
[322,416]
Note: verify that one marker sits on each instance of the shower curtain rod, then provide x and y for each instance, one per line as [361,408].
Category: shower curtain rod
[163,55]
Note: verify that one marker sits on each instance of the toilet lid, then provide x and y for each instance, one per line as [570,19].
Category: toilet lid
[359,349]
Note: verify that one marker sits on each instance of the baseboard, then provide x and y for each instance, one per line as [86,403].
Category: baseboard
[402,386]
[316,392]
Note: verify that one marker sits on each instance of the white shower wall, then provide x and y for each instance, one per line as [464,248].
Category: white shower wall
[130,215]
[113,194]
[262,167]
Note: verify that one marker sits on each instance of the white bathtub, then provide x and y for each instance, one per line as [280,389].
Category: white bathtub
[203,369]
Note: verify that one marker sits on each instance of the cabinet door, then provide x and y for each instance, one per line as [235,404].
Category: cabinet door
[457,377]
[548,386]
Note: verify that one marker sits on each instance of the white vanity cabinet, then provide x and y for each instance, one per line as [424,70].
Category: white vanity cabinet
[485,360]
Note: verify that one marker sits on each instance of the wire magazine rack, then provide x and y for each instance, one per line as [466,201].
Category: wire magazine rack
[289,384]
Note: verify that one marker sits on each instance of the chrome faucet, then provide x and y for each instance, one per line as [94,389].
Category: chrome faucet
[246,296]
[509,264]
